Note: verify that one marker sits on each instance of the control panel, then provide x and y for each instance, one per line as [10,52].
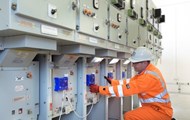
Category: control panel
[142,20]
[117,25]
[52,19]
[64,84]
[132,23]
[92,77]
[19,92]
[92,17]
[61,13]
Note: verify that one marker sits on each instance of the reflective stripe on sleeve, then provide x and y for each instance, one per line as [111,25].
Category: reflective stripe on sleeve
[127,81]
[111,91]
[120,90]
[121,82]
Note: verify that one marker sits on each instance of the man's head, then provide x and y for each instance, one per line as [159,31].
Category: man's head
[140,58]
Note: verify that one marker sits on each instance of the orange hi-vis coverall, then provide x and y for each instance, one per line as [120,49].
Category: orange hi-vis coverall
[151,89]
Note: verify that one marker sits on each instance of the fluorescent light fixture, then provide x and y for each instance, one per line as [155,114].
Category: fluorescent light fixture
[114,60]
[96,60]
[126,62]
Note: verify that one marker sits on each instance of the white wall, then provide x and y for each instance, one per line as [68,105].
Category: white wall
[175,60]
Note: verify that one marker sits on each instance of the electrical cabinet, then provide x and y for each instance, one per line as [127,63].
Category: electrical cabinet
[58,85]
[19,92]
[150,23]
[150,9]
[92,17]
[133,35]
[60,13]
[64,97]
[158,47]
[156,42]
[54,19]
[64,85]
[143,37]
[92,77]
[142,23]
[117,25]
[132,23]
[153,27]
[150,37]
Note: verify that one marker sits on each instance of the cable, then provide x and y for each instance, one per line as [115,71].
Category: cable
[61,106]
[79,116]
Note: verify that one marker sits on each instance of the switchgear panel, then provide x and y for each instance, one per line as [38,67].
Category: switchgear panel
[160,52]
[92,17]
[150,10]
[53,19]
[142,23]
[157,46]
[150,37]
[64,92]
[143,37]
[150,22]
[61,13]
[132,23]
[64,85]
[92,77]
[117,25]
[19,92]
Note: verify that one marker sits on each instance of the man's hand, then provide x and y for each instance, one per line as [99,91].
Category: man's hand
[94,88]
[108,79]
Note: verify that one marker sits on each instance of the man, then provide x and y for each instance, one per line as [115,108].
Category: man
[149,84]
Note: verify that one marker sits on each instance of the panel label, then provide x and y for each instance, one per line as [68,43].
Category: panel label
[49,30]
[18,99]
[93,40]
[19,88]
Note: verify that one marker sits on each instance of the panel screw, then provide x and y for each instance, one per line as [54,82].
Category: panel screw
[14,6]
